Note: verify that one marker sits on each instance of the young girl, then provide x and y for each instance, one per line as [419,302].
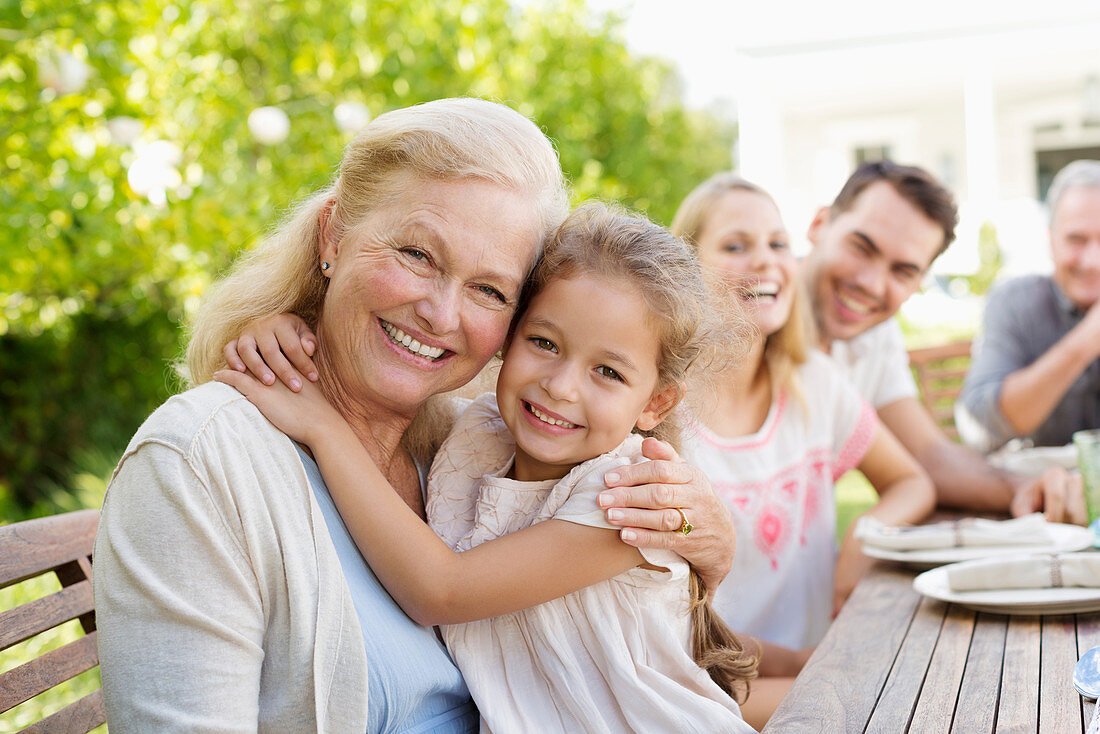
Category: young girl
[555,623]
[784,427]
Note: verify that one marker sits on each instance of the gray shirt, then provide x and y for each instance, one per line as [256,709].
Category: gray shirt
[1023,319]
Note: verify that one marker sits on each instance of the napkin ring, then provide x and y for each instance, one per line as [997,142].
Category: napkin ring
[1055,570]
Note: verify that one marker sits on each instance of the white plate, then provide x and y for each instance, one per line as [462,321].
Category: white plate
[1034,461]
[1009,601]
[1066,538]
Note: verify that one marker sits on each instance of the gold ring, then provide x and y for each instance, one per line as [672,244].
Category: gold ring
[685,527]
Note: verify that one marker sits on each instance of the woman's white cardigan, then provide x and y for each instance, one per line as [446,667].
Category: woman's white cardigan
[221,604]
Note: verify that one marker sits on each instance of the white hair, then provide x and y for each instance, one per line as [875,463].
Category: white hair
[1079,174]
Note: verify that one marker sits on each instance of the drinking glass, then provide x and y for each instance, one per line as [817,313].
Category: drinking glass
[1088,461]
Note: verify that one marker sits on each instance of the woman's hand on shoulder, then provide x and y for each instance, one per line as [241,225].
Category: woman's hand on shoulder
[305,415]
[278,346]
[646,500]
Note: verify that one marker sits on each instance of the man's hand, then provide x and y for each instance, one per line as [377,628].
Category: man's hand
[643,501]
[1059,495]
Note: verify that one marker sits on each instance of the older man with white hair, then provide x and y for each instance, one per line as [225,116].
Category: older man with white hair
[1036,369]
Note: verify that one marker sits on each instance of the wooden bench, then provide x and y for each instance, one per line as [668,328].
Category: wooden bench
[939,372]
[61,545]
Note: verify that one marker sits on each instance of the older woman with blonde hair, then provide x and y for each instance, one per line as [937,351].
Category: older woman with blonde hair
[230,596]
[785,425]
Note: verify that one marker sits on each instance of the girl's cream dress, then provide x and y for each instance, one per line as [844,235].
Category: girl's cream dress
[613,657]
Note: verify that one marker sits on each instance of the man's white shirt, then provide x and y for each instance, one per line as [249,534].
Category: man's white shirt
[877,364]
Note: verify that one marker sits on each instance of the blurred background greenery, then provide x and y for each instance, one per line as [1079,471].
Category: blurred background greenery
[143,145]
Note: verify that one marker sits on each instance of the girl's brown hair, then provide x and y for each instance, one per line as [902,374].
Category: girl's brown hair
[789,346]
[694,336]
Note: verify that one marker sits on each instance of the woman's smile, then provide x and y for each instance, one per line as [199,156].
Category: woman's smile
[411,345]
[764,292]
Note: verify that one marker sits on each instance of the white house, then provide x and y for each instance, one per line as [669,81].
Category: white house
[992,99]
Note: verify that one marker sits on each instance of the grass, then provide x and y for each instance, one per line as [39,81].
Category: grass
[854,496]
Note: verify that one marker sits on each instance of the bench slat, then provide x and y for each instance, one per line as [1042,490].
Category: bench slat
[79,717]
[939,373]
[940,353]
[46,671]
[945,375]
[39,615]
[34,546]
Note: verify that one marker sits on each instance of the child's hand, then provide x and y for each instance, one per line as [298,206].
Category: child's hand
[279,345]
[304,416]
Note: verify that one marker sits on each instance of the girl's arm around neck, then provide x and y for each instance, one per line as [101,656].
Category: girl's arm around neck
[436,585]
[431,582]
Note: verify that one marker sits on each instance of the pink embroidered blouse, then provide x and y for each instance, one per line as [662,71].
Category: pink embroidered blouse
[778,483]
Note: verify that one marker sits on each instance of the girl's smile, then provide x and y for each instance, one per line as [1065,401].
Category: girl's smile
[547,419]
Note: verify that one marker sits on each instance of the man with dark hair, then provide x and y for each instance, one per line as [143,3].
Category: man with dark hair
[871,249]
[1036,369]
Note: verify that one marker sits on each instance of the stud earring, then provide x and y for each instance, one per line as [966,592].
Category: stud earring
[325,266]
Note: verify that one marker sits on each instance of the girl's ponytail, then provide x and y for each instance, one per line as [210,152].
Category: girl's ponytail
[716,648]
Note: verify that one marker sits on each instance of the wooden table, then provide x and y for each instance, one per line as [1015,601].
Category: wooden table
[894,661]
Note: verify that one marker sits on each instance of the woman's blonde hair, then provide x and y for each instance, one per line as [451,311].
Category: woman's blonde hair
[447,139]
[600,240]
[789,346]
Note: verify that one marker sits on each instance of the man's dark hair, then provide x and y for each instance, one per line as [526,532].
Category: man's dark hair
[915,185]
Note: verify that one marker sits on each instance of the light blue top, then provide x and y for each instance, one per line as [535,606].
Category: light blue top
[413,685]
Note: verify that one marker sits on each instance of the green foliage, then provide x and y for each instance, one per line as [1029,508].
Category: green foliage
[919,335]
[99,277]
[75,390]
[989,260]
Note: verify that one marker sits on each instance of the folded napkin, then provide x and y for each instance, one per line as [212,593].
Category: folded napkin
[972,531]
[1040,571]
[1034,460]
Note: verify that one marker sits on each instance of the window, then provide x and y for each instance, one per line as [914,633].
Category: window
[1049,162]
[867,153]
